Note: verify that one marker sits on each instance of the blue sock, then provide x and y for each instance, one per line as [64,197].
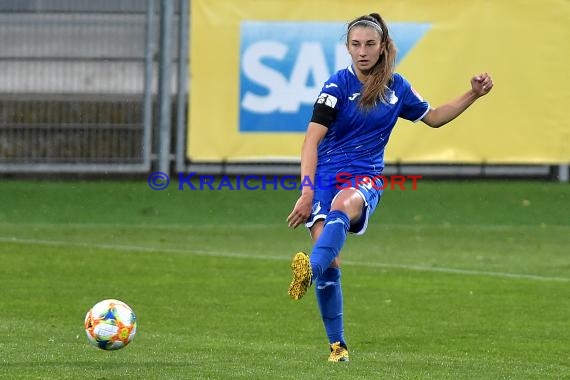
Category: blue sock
[329,244]
[329,298]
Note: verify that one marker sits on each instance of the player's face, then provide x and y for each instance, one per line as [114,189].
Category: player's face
[364,47]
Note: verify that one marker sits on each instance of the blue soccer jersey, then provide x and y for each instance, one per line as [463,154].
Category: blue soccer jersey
[356,139]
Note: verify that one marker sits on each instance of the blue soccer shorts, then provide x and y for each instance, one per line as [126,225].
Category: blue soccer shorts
[369,188]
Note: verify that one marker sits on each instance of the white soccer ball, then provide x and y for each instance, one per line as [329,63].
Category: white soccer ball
[110,325]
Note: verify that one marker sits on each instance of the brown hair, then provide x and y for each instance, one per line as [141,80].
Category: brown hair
[381,74]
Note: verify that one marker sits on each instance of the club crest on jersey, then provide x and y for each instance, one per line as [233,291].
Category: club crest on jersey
[316,208]
[327,100]
[392,98]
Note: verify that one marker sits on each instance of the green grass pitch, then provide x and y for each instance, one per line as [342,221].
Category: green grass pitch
[456,280]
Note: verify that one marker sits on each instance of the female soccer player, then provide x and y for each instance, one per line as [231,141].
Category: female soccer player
[348,132]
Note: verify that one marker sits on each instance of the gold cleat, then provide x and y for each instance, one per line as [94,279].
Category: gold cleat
[302,273]
[339,353]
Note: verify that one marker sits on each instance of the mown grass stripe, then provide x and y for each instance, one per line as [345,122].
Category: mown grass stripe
[421,268]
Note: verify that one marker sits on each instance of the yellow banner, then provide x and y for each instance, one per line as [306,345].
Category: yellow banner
[256,68]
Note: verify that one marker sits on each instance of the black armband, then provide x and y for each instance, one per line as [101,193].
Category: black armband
[323,114]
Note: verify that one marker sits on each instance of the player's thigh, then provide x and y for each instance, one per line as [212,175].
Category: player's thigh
[317,229]
[370,192]
[349,201]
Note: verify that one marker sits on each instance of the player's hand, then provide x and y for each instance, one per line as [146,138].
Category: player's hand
[301,211]
[481,84]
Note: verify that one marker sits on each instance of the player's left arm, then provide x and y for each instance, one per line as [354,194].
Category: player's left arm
[480,86]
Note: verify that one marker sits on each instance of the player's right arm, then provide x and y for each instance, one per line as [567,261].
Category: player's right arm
[302,210]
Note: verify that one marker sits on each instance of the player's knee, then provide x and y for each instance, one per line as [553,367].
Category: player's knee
[332,274]
[335,263]
[344,200]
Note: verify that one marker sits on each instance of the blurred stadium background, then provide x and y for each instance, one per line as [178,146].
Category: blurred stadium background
[133,86]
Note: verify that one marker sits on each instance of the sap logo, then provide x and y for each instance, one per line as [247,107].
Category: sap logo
[307,71]
[283,66]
